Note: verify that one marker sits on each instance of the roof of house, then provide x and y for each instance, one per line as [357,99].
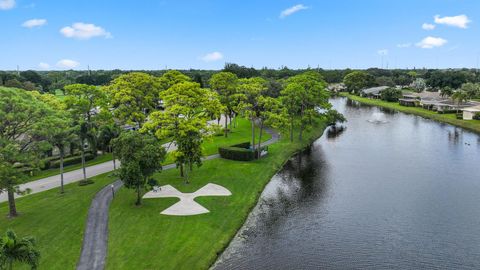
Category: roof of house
[472,109]
[374,90]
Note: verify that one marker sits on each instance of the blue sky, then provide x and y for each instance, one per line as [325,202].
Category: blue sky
[149,34]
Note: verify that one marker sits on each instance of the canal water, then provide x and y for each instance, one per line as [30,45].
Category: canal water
[391,191]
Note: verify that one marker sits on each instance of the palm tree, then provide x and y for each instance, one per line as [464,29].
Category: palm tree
[446,91]
[459,97]
[14,250]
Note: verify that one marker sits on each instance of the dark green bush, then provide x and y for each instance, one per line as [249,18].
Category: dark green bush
[241,152]
[85,182]
[71,161]
[391,94]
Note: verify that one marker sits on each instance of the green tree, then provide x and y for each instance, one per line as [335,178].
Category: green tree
[172,77]
[446,91]
[141,155]
[271,114]
[187,107]
[21,250]
[459,97]
[84,103]
[311,99]
[22,117]
[105,138]
[251,90]
[226,85]
[472,90]
[358,80]
[133,96]
[391,94]
[59,132]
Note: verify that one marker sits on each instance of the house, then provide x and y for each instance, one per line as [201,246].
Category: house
[409,100]
[336,87]
[373,92]
[470,112]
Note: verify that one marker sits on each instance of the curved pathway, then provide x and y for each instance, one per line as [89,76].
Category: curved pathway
[95,238]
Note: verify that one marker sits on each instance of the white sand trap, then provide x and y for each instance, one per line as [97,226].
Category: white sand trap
[187,206]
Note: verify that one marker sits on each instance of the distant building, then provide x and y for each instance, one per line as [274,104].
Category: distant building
[469,113]
[373,92]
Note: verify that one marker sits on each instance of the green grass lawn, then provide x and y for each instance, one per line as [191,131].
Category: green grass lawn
[449,118]
[141,238]
[51,172]
[239,134]
[56,221]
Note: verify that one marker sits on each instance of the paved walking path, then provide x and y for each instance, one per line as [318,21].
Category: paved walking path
[72,176]
[94,249]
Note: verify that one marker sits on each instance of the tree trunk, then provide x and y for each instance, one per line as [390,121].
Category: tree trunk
[139,198]
[83,161]
[61,169]
[226,125]
[113,158]
[252,121]
[260,140]
[181,170]
[300,136]
[11,203]
[291,129]
[230,116]
[185,178]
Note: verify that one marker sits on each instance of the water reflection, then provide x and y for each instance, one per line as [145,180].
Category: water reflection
[403,195]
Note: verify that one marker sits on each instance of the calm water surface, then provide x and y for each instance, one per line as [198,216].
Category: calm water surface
[393,191]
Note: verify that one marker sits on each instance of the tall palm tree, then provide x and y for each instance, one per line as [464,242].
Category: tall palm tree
[459,97]
[13,249]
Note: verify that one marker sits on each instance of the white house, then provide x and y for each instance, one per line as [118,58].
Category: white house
[470,112]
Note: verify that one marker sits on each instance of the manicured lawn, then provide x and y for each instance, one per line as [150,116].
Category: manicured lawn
[50,172]
[239,134]
[56,221]
[141,238]
[449,118]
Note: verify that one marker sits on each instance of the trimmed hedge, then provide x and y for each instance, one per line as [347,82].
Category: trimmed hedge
[240,152]
[70,161]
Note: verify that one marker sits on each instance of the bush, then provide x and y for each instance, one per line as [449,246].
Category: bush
[391,94]
[240,152]
[88,181]
[71,161]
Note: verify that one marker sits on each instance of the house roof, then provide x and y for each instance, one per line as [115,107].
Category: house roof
[472,109]
[374,90]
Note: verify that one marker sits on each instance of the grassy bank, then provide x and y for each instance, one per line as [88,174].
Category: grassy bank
[141,238]
[56,221]
[449,118]
[210,147]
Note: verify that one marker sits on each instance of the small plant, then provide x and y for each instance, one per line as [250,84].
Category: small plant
[85,182]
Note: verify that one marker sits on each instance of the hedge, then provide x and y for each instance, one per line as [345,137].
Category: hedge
[240,152]
[71,160]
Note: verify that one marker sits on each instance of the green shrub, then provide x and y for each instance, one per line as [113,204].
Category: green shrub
[391,94]
[88,181]
[71,161]
[240,152]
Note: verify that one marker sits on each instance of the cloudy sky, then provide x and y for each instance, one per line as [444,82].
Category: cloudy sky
[150,34]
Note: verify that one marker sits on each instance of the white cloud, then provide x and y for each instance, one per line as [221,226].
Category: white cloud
[431,42]
[44,65]
[289,11]
[383,52]
[460,21]
[84,31]
[67,64]
[34,23]
[213,56]
[428,26]
[7,4]
[404,45]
